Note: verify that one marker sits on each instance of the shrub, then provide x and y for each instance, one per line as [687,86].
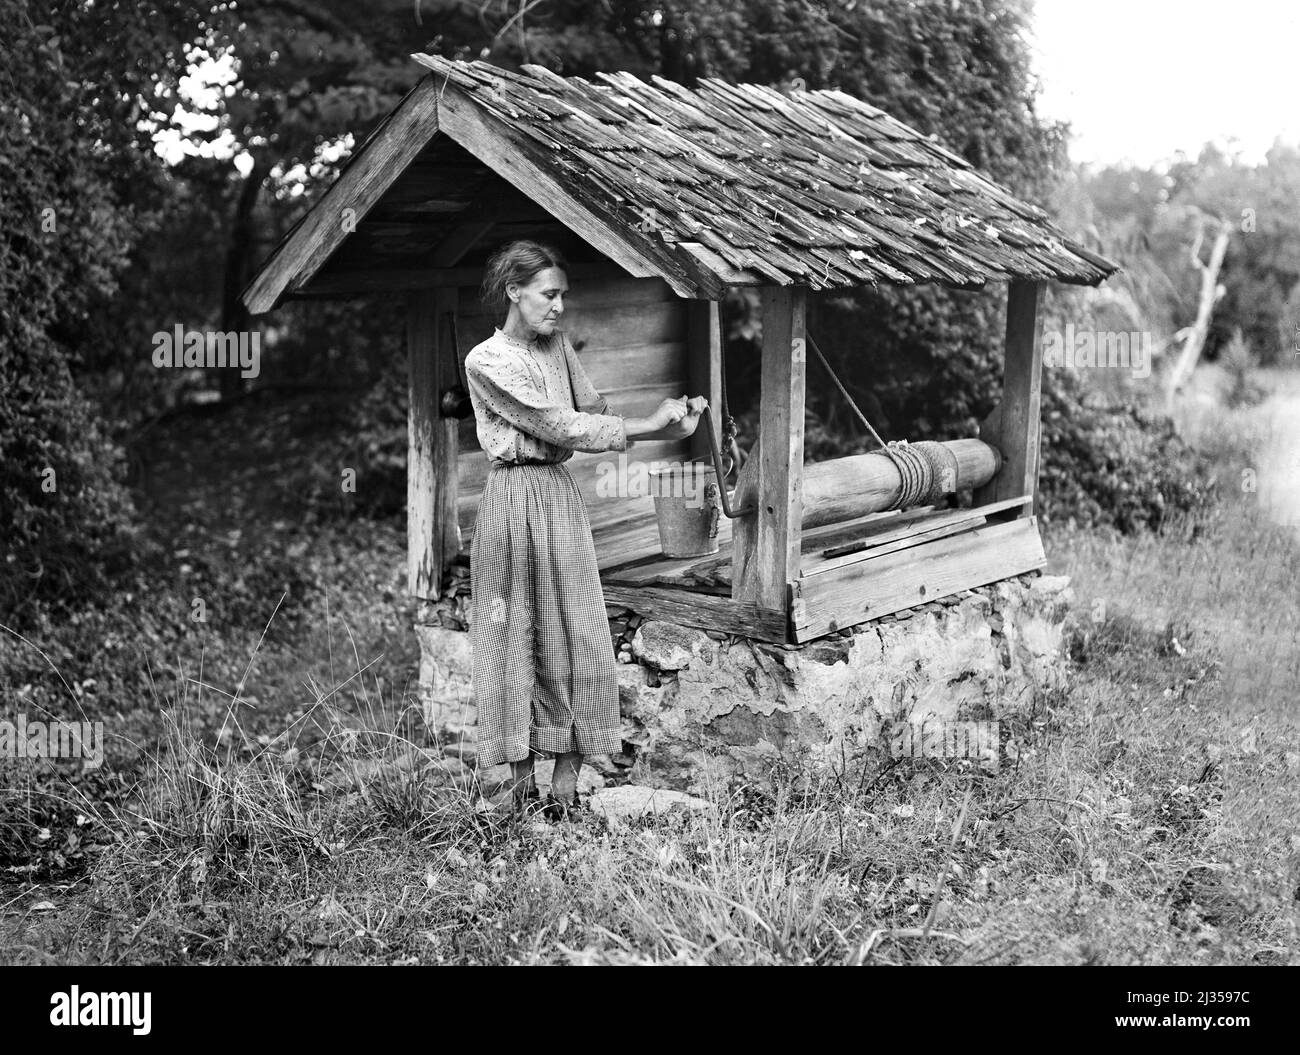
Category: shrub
[67,233]
[377,431]
[1115,465]
[68,518]
[1239,361]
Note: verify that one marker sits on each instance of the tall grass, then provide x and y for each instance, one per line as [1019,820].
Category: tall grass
[1135,826]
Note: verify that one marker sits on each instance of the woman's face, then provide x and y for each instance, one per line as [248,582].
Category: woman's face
[541,302]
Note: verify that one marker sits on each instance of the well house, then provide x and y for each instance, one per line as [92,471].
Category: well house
[663,197]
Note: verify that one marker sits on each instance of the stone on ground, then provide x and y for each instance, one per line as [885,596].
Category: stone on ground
[631,801]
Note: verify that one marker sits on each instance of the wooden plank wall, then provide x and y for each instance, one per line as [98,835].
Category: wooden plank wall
[631,335]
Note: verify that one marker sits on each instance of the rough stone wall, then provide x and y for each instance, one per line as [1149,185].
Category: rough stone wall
[699,705]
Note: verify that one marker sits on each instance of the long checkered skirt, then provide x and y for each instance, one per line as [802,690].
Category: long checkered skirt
[543,659]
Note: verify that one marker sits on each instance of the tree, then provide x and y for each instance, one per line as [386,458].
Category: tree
[70,154]
[1210,294]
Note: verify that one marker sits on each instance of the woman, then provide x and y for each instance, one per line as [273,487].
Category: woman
[543,659]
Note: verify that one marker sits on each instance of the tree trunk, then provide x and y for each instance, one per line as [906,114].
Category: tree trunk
[1211,291]
[234,315]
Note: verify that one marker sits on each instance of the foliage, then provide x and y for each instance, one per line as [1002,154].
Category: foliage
[377,437]
[60,542]
[1115,464]
[1148,219]
[1288,327]
[1263,261]
[1239,361]
[69,152]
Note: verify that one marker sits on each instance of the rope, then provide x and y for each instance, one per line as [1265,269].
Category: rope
[928,470]
[843,391]
[913,470]
[943,469]
[729,447]
[455,347]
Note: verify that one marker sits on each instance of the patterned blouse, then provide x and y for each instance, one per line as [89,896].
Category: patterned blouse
[523,403]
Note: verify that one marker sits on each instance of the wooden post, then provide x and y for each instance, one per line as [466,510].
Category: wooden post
[1014,425]
[767,544]
[704,352]
[432,528]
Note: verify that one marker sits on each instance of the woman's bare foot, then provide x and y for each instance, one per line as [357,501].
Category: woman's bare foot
[564,780]
[524,787]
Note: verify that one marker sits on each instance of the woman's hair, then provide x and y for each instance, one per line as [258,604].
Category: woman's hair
[517,261]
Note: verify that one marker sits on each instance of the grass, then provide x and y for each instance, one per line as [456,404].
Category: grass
[1141,823]
[1146,816]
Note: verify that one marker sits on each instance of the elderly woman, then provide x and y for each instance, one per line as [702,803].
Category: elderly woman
[544,668]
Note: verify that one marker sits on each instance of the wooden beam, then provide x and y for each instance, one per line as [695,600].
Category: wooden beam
[1014,426]
[744,530]
[432,525]
[843,488]
[771,536]
[499,202]
[707,611]
[449,370]
[704,361]
[460,241]
[884,539]
[817,539]
[369,172]
[866,590]
[842,556]
[505,151]
[392,280]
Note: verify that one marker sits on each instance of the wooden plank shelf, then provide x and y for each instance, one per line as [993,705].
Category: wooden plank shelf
[891,582]
[889,537]
[879,534]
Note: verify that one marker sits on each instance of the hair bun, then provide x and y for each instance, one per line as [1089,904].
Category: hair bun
[517,261]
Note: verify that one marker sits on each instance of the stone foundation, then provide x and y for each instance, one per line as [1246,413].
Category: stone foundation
[699,705]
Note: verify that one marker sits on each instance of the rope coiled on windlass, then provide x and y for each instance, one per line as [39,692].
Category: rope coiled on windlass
[928,471]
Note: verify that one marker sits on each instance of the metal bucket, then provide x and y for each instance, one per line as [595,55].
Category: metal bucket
[687,507]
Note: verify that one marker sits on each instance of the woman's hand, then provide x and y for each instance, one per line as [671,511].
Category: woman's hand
[670,412]
[673,419]
[686,424]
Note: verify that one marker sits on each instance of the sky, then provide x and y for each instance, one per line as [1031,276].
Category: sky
[1141,79]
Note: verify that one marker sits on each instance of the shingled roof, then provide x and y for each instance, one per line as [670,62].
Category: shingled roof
[718,185]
